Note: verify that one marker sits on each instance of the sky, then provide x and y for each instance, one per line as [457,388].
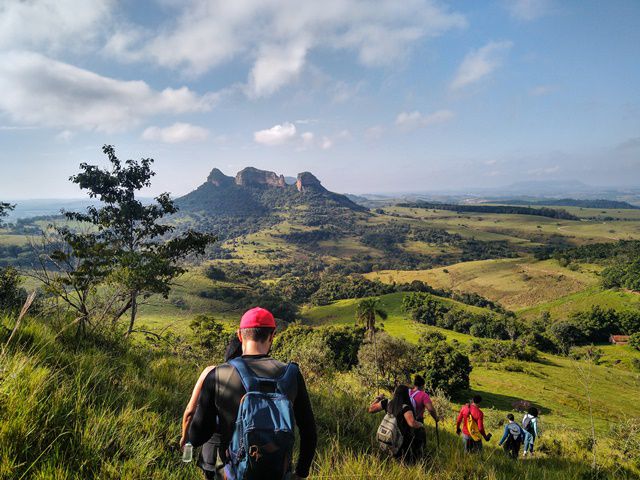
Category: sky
[372,96]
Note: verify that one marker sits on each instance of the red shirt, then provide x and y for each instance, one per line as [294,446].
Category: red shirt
[476,414]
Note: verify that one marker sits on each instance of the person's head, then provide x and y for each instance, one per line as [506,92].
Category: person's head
[533,411]
[256,331]
[234,348]
[418,382]
[510,417]
[400,398]
[476,399]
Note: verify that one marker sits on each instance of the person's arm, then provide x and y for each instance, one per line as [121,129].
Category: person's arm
[535,426]
[192,405]
[411,420]
[203,424]
[459,421]
[306,422]
[375,407]
[432,411]
[481,426]
[505,435]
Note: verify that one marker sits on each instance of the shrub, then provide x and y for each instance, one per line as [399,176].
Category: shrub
[12,295]
[443,366]
[215,273]
[210,335]
[389,359]
[634,341]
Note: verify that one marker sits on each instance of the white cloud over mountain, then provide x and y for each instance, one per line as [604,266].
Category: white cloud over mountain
[176,133]
[276,135]
[480,63]
[416,119]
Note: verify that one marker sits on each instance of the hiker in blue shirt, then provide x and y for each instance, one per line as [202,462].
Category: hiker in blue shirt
[512,438]
[530,427]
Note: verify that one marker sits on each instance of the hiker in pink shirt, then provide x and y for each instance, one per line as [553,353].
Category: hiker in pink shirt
[421,402]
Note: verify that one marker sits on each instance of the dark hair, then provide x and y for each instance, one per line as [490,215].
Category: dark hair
[257,334]
[400,398]
[533,411]
[418,381]
[234,349]
[511,417]
[476,399]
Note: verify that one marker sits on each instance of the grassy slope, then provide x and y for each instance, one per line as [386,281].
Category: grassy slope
[552,383]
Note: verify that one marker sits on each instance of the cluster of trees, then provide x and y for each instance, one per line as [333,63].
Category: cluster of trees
[381,361]
[430,310]
[508,209]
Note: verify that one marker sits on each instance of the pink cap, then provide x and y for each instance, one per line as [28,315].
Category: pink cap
[257,317]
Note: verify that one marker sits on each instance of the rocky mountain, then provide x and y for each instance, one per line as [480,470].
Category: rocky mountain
[257,193]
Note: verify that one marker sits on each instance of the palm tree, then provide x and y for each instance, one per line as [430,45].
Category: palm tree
[366,312]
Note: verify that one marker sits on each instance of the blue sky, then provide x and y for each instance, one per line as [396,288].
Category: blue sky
[371,96]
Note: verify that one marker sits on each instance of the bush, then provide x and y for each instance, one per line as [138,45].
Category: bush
[215,273]
[210,335]
[12,295]
[443,366]
[396,361]
[634,341]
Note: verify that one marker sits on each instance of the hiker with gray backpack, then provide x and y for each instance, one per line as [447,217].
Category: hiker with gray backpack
[255,403]
[512,437]
[396,432]
[531,432]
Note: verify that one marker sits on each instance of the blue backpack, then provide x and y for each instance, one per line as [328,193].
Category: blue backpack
[262,443]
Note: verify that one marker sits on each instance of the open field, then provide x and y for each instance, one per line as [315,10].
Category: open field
[525,228]
[516,283]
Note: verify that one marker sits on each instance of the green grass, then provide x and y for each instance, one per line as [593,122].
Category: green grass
[552,383]
[105,408]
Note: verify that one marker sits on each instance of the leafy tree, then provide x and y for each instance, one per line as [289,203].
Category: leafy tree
[12,295]
[387,362]
[443,366]
[634,341]
[144,264]
[70,266]
[5,208]
[629,321]
[565,335]
[210,335]
[597,324]
[424,308]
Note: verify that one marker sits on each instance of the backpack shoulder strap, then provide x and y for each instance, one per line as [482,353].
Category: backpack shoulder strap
[287,382]
[249,380]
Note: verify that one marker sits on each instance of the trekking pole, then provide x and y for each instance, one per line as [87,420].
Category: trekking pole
[375,352]
[437,435]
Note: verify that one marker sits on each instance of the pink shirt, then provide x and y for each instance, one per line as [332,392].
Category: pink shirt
[419,399]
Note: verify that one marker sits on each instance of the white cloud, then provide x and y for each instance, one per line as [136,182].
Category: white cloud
[528,9]
[46,92]
[480,63]
[276,135]
[541,90]
[52,24]
[416,119]
[374,133]
[326,144]
[276,66]
[65,136]
[176,133]
[307,138]
[277,36]
[544,170]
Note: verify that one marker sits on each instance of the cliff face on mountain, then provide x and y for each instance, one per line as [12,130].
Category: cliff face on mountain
[256,193]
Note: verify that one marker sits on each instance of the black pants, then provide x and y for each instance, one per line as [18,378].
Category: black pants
[512,448]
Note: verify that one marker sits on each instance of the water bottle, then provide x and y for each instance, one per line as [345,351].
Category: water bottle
[187,452]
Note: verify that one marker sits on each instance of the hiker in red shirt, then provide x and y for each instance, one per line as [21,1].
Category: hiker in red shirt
[472,420]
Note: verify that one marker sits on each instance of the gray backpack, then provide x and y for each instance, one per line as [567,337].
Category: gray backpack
[389,435]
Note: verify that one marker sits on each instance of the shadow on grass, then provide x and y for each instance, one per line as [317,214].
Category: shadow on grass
[498,401]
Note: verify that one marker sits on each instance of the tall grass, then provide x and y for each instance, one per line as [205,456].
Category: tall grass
[110,409]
